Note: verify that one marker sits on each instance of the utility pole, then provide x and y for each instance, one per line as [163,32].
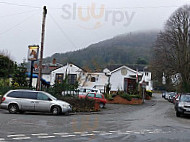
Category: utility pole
[42,46]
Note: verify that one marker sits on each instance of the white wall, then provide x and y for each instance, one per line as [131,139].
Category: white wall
[117,79]
[67,69]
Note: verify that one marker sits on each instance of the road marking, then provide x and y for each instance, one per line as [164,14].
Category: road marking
[2,139]
[84,135]
[96,131]
[21,138]
[78,132]
[40,134]
[65,136]
[113,131]
[45,137]
[60,133]
[104,133]
[19,135]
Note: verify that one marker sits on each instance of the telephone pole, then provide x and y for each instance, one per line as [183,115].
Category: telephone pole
[42,49]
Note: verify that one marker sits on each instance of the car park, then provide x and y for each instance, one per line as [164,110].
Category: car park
[182,104]
[36,101]
[96,96]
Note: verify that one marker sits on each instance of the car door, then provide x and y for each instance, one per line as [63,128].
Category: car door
[28,100]
[43,102]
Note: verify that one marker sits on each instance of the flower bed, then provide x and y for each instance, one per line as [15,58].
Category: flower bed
[120,100]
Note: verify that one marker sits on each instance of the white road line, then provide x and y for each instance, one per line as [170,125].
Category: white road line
[96,131]
[60,133]
[40,134]
[113,131]
[2,139]
[21,138]
[19,135]
[84,135]
[78,132]
[65,136]
[103,134]
[45,137]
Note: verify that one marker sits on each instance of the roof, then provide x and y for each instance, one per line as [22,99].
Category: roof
[132,66]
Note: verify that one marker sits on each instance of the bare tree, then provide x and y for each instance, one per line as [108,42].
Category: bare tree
[172,49]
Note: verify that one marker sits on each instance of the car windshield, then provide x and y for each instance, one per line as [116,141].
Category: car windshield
[185,98]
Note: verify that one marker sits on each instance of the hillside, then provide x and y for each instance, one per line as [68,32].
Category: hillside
[122,49]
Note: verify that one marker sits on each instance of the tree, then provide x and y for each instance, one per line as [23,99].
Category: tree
[172,48]
[19,76]
[6,69]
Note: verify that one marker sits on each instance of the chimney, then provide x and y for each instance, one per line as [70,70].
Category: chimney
[54,61]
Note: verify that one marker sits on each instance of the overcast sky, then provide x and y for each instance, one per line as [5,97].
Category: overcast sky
[72,25]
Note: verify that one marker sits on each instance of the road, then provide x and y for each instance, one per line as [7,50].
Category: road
[154,121]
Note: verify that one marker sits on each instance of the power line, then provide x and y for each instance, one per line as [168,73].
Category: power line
[60,28]
[9,15]
[111,8]
[16,4]
[18,24]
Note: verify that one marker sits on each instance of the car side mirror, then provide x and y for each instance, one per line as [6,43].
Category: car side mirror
[49,99]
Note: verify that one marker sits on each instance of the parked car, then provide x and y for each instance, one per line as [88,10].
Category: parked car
[171,96]
[85,90]
[164,94]
[96,96]
[182,104]
[176,98]
[28,100]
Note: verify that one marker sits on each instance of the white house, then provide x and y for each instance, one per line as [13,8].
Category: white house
[96,80]
[122,78]
[147,78]
[73,72]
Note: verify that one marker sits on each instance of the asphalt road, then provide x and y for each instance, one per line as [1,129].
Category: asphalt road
[154,121]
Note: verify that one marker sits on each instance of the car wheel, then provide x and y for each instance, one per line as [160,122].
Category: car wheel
[13,108]
[102,105]
[56,110]
[178,114]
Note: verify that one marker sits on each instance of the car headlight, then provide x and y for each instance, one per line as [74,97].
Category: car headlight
[181,104]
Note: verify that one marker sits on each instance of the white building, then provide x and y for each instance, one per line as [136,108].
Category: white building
[122,78]
[96,80]
[73,72]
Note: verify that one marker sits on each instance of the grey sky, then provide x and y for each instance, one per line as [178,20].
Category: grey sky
[21,22]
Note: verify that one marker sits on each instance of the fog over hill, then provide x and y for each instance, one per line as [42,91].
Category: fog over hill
[122,49]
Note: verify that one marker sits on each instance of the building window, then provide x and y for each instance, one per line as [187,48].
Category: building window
[59,78]
[72,78]
[93,79]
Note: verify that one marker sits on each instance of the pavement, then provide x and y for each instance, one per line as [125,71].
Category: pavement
[154,121]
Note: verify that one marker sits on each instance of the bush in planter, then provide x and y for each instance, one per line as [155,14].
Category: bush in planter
[79,105]
[149,93]
[129,97]
[108,96]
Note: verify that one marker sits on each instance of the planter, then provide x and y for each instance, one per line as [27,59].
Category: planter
[97,106]
[119,100]
[147,97]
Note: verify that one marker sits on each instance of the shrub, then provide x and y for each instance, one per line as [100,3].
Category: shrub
[129,96]
[80,105]
[108,96]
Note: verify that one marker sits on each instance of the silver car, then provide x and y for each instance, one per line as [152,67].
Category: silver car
[28,100]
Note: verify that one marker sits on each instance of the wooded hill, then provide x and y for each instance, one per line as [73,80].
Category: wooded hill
[124,49]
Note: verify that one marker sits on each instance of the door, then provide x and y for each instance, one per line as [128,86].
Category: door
[28,100]
[43,102]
